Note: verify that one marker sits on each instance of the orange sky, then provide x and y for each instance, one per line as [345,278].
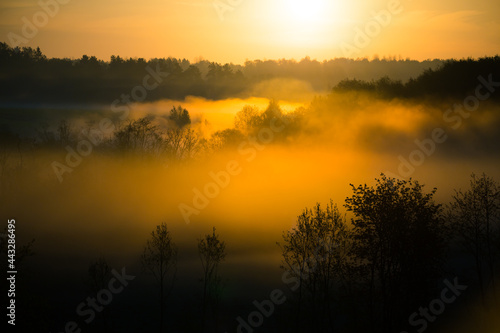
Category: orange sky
[255,29]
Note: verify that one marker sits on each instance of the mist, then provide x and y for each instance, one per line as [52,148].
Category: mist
[257,160]
[340,140]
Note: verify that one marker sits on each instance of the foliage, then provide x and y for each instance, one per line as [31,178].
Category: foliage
[453,78]
[399,238]
[316,253]
[180,116]
[142,138]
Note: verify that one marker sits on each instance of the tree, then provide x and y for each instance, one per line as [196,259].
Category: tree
[180,144]
[159,258]
[212,252]
[273,111]
[140,137]
[180,116]
[229,137]
[316,256]
[475,214]
[64,132]
[248,119]
[99,275]
[399,239]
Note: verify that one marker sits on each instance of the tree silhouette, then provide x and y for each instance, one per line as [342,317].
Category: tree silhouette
[140,137]
[248,119]
[212,252]
[180,144]
[99,275]
[144,139]
[159,258]
[399,238]
[226,138]
[453,78]
[316,255]
[180,116]
[475,215]
[29,76]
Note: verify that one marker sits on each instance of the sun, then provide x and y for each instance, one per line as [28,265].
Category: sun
[305,10]
[301,23]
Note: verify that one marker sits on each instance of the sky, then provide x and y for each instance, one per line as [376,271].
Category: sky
[239,30]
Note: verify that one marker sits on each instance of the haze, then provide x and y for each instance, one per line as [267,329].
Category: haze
[257,29]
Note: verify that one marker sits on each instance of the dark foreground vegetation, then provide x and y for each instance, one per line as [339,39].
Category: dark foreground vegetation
[390,268]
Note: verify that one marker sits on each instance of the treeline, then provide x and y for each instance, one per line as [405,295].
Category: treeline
[453,79]
[169,139]
[391,267]
[387,268]
[27,76]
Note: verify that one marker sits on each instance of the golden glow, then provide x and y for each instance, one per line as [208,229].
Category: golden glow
[257,29]
[306,11]
[301,23]
[263,200]
[219,115]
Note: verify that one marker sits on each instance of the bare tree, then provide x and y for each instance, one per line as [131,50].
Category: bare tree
[180,144]
[140,137]
[476,216]
[159,258]
[64,132]
[247,119]
[212,252]
[316,256]
[99,274]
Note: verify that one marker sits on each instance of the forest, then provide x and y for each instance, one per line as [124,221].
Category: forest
[91,80]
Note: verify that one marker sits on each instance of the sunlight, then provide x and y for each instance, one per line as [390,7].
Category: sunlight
[302,23]
[302,10]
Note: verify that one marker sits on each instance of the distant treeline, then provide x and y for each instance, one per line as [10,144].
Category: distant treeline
[453,79]
[27,76]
